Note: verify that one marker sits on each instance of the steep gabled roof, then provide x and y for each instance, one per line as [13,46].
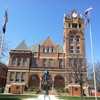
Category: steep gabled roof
[49,42]
[22,46]
[34,48]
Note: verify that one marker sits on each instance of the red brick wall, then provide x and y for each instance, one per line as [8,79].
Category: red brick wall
[74,90]
[17,89]
[59,83]
[34,82]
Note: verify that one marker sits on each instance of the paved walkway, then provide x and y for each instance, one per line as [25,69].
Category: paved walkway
[41,97]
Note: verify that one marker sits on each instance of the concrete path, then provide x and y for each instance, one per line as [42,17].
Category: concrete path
[41,97]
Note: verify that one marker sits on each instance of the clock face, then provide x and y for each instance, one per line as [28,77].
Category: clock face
[74,15]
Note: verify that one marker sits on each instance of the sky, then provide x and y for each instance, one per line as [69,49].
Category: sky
[35,20]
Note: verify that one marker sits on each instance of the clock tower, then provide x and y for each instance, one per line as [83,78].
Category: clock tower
[73,38]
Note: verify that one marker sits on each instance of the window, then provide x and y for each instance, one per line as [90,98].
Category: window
[13,61]
[60,63]
[11,76]
[52,49]
[74,33]
[19,62]
[34,62]
[47,49]
[43,49]
[50,63]
[71,39]
[79,25]
[60,78]
[17,87]
[23,77]
[77,39]
[44,63]
[81,77]
[34,77]
[70,62]
[81,62]
[78,49]
[76,80]
[24,61]
[76,89]
[70,78]
[71,49]
[69,25]
[17,76]
[74,25]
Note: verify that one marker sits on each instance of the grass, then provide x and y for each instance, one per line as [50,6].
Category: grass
[76,98]
[15,97]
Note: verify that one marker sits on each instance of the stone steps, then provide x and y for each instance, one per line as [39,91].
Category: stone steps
[6,90]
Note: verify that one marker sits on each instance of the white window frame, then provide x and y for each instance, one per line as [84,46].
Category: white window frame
[77,38]
[19,61]
[50,64]
[11,76]
[44,63]
[70,77]
[24,62]
[17,78]
[13,61]
[78,49]
[52,49]
[43,49]
[48,49]
[34,62]
[71,39]
[71,49]
[23,77]
[60,63]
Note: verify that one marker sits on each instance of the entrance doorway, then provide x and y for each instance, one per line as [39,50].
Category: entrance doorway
[43,86]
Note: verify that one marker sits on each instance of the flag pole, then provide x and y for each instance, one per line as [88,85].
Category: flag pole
[2,39]
[3,32]
[92,57]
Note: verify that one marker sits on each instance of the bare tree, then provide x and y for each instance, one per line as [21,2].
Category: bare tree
[97,73]
[3,70]
[5,48]
[3,74]
[77,70]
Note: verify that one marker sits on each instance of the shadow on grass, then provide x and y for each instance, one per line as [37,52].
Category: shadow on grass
[76,98]
[10,99]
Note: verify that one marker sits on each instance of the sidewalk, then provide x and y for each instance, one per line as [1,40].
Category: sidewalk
[41,97]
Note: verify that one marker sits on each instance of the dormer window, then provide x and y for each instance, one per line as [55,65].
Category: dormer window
[52,49]
[47,49]
[43,49]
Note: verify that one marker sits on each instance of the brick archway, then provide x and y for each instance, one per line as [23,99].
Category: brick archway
[43,85]
[34,81]
[59,81]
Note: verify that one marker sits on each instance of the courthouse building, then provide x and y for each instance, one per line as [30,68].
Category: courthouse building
[27,64]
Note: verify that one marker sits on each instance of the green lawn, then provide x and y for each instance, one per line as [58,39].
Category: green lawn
[15,97]
[76,98]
